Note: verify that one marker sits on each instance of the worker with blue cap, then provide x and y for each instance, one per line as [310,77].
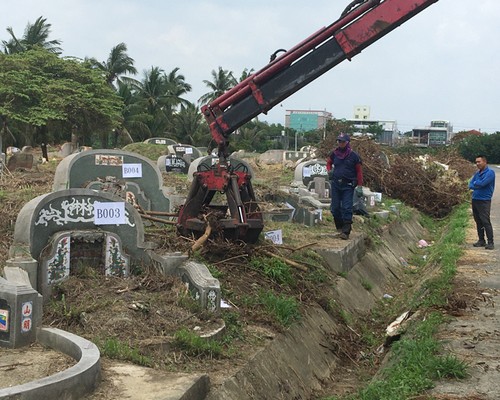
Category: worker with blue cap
[346,176]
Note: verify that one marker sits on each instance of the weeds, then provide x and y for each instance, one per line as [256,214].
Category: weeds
[194,345]
[284,308]
[415,359]
[367,285]
[113,348]
[274,269]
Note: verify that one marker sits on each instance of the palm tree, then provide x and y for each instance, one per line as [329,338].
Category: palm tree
[246,73]
[189,126]
[223,80]
[35,35]
[177,86]
[133,126]
[157,97]
[117,64]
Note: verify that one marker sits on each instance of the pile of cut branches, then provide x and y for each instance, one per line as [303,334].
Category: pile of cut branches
[432,184]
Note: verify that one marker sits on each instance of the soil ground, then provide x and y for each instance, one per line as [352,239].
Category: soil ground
[147,310]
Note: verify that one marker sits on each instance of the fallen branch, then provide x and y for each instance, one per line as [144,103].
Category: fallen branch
[167,214]
[231,258]
[304,246]
[286,260]
[202,239]
[163,221]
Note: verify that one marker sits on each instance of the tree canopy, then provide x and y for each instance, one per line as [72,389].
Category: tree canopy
[38,88]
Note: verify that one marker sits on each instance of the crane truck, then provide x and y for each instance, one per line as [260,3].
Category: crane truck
[362,23]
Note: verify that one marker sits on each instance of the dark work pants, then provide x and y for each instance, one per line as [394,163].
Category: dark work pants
[481,212]
[341,206]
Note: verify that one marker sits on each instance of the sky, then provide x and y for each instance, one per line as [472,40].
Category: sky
[443,64]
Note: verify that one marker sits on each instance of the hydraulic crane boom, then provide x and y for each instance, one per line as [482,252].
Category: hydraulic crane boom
[356,29]
[305,62]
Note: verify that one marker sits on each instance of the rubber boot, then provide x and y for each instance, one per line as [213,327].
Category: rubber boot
[338,224]
[346,230]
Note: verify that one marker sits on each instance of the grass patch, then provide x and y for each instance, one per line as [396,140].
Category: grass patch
[193,345]
[283,308]
[114,348]
[414,364]
[446,253]
[273,268]
[367,285]
[416,361]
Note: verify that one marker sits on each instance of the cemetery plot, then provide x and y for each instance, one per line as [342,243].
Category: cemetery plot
[128,175]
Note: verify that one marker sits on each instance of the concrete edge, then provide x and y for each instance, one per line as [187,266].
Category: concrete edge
[73,383]
[198,390]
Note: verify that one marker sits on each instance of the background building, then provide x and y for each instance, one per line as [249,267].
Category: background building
[388,129]
[306,120]
[439,133]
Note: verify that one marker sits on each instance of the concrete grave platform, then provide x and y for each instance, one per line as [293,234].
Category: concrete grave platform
[72,383]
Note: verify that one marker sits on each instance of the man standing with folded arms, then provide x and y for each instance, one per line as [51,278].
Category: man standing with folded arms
[482,185]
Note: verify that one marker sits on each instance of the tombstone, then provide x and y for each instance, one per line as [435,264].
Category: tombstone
[272,157]
[295,155]
[66,150]
[60,230]
[126,174]
[20,313]
[20,160]
[306,171]
[172,163]
[160,141]
[12,150]
[184,151]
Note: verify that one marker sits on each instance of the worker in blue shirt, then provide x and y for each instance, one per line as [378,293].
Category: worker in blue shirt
[346,177]
[482,185]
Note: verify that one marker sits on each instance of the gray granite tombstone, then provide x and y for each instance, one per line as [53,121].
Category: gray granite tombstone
[173,163]
[66,149]
[20,313]
[20,160]
[184,151]
[128,175]
[59,231]
[306,171]
[160,141]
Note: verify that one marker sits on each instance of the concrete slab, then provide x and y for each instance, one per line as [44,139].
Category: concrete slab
[135,382]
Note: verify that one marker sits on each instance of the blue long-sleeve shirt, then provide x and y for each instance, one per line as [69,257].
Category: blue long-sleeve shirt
[483,184]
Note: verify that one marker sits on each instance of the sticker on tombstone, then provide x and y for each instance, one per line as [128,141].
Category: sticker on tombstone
[132,170]
[58,266]
[176,164]
[109,213]
[116,262]
[27,316]
[107,159]
[4,320]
